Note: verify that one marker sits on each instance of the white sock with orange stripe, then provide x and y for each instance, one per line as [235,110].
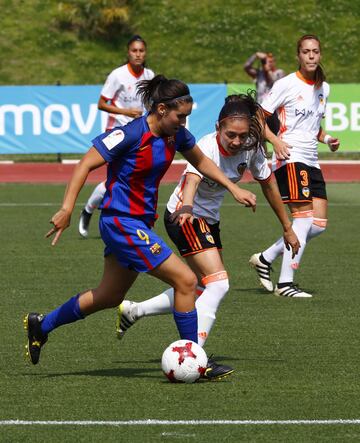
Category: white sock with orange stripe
[95,198]
[272,253]
[216,287]
[301,226]
[318,227]
[160,304]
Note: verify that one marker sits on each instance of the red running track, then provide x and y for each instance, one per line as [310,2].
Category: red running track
[61,173]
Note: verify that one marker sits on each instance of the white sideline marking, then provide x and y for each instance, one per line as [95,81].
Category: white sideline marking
[152,422]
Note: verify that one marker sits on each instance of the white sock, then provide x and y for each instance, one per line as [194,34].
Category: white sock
[301,226]
[160,304]
[271,253]
[207,305]
[95,198]
[317,228]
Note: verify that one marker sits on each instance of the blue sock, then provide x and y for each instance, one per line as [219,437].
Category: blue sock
[64,314]
[187,324]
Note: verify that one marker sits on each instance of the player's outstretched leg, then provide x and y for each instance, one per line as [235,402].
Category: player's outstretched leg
[127,315]
[263,270]
[36,338]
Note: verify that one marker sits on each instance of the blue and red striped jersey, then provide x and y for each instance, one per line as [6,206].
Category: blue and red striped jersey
[137,161]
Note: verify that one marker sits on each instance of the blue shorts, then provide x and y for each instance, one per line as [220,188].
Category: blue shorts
[132,241]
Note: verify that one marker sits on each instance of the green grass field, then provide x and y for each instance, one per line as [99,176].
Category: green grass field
[198,42]
[294,359]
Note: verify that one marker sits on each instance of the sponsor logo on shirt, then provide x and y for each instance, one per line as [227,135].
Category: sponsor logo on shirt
[144,147]
[210,183]
[113,139]
[304,113]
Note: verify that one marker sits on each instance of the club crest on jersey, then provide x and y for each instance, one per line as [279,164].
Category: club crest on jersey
[305,192]
[113,139]
[241,168]
[209,238]
[321,99]
[155,249]
[171,140]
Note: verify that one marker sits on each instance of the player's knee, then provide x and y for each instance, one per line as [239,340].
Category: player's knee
[187,283]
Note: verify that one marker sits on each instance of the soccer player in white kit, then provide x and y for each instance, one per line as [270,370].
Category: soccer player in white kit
[234,147]
[299,100]
[119,98]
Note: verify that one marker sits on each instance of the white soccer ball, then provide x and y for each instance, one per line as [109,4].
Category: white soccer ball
[184,361]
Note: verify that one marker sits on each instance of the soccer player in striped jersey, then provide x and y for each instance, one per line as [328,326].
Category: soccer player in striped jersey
[299,100]
[234,147]
[138,155]
[120,100]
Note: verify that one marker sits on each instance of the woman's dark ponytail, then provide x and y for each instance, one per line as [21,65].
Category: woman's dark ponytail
[161,90]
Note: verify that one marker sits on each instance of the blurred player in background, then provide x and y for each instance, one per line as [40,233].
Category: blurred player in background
[264,76]
[119,99]
[138,155]
[300,100]
[235,146]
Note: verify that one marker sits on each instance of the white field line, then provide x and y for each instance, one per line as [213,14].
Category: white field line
[151,422]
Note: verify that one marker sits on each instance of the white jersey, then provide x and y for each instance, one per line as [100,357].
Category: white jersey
[120,88]
[209,195]
[300,108]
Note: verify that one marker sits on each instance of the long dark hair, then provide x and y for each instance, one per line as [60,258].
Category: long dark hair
[245,106]
[161,90]
[320,76]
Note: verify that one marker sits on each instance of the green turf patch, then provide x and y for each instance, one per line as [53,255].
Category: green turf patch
[294,359]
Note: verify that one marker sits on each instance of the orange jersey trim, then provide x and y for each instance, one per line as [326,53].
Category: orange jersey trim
[297,201]
[282,120]
[199,251]
[292,181]
[305,80]
[132,72]
[191,236]
[265,180]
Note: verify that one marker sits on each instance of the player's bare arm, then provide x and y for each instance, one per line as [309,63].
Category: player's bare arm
[61,219]
[281,148]
[208,168]
[332,142]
